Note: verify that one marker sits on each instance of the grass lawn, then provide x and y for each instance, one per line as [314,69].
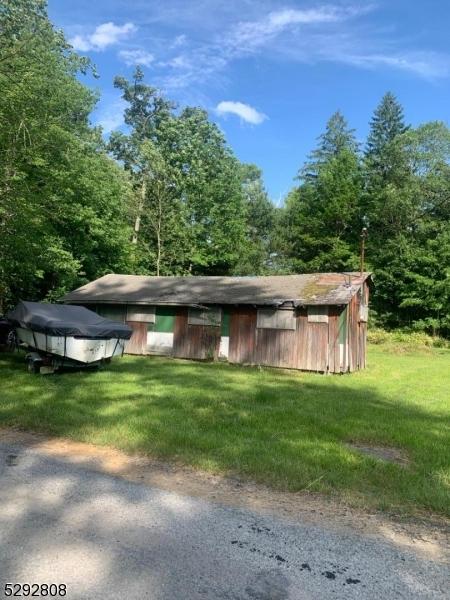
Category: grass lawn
[284,428]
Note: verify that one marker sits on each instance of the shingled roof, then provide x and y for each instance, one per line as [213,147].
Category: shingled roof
[275,290]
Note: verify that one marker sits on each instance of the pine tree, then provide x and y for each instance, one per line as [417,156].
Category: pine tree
[384,163]
[387,122]
[386,170]
[319,226]
[336,138]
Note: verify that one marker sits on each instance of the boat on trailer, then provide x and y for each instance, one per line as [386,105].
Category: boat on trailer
[66,336]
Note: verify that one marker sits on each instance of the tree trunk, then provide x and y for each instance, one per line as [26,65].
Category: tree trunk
[158,235]
[137,221]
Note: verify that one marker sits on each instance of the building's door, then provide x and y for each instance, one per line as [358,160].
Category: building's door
[242,335]
[160,333]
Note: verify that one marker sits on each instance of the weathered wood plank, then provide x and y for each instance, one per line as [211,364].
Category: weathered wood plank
[276,347]
[137,344]
[242,336]
[179,333]
[199,342]
[302,346]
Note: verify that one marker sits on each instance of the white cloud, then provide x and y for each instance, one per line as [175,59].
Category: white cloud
[180,40]
[206,60]
[429,65]
[136,57]
[180,62]
[80,43]
[106,34]
[249,35]
[221,32]
[244,111]
[282,18]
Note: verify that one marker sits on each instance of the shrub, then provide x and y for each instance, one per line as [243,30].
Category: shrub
[404,337]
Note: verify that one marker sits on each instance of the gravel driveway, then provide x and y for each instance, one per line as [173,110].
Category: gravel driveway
[105,537]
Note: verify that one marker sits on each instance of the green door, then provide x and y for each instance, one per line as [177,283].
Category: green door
[160,333]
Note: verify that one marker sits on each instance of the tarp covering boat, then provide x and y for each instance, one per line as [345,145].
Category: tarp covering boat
[66,320]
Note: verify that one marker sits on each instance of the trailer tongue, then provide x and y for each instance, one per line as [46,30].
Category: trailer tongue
[63,335]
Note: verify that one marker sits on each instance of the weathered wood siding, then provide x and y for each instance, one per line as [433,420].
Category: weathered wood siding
[362,342]
[357,331]
[242,336]
[334,355]
[137,344]
[311,346]
[194,341]
[336,346]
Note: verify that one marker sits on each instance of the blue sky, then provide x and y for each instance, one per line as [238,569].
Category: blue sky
[269,72]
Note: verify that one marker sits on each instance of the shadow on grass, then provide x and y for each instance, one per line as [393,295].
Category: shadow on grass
[285,429]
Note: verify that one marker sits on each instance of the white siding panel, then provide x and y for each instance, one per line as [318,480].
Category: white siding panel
[224,346]
[159,342]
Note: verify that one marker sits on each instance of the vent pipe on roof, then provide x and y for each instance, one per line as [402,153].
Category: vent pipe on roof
[363,237]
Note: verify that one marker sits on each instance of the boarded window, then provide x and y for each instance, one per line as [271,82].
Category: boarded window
[363,313]
[211,317]
[317,314]
[363,308]
[115,313]
[143,314]
[273,318]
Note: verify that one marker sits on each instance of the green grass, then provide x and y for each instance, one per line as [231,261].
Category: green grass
[286,429]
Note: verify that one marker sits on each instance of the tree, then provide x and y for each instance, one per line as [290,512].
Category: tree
[413,264]
[187,184]
[260,220]
[47,149]
[144,114]
[211,191]
[387,123]
[336,138]
[319,227]
[162,214]
[405,206]
[386,169]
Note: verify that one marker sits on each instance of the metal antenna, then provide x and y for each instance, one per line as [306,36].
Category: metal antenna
[363,237]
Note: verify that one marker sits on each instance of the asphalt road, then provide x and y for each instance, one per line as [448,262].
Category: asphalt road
[108,538]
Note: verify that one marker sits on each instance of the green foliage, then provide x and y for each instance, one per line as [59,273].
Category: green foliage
[177,201]
[409,222]
[62,199]
[260,214]
[402,340]
[400,190]
[319,223]
[190,212]
[337,137]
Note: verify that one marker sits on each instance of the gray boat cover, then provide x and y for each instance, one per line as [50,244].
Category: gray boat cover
[66,320]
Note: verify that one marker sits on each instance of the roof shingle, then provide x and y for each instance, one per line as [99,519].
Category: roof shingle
[274,290]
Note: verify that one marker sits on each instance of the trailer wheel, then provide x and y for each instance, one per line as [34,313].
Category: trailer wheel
[34,367]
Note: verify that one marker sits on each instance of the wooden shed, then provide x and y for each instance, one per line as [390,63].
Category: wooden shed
[314,322]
